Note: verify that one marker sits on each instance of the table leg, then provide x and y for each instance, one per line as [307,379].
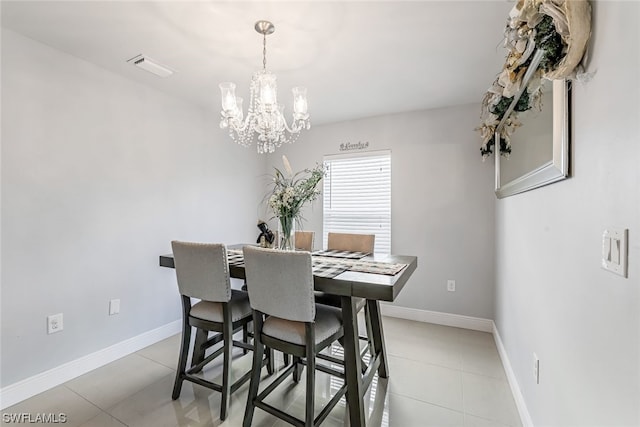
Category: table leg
[379,347]
[352,363]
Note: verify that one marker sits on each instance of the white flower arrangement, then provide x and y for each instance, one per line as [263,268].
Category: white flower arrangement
[291,192]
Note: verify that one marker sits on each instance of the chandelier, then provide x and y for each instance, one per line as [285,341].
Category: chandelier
[265,117]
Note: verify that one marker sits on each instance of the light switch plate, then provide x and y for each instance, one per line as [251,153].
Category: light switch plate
[614,250]
[114,307]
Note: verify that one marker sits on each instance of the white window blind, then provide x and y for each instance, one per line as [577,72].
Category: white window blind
[357,197]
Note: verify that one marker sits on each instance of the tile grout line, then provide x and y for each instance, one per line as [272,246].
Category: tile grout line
[156,361]
[93,404]
[404,396]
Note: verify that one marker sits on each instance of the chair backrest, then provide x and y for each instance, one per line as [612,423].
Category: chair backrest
[202,270]
[304,240]
[280,283]
[351,242]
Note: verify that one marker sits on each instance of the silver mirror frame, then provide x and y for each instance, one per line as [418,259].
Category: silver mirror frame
[555,169]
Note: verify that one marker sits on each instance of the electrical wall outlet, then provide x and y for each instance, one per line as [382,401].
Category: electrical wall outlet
[451,285]
[536,368]
[114,307]
[54,323]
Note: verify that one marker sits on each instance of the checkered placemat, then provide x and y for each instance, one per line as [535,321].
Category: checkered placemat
[341,254]
[386,268]
[321,268]
[328,270]
[364,266]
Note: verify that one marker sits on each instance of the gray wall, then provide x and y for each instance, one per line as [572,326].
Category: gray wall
[99,174]
[442,201]
[552,296]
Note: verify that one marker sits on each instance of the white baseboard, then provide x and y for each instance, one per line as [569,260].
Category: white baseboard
[525,418]
[446,319]
[17,392]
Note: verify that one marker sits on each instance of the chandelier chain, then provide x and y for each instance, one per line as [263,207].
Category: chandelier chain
[264,51]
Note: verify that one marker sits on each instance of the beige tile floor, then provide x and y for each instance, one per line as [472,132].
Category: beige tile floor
[439,376]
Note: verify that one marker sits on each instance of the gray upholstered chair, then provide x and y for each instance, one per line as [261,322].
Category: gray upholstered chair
[286,318]
[304,240]
[347,242]
[202,272]
[351,242]
[354,243]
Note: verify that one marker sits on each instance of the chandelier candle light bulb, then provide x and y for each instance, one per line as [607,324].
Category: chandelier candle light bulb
[265,117]
[228,96]
[300,103]
[268,90]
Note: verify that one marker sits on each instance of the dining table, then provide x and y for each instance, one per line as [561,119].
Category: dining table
[352,277]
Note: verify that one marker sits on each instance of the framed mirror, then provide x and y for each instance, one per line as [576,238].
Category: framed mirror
[540,147]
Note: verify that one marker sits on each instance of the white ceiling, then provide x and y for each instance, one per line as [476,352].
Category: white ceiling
[357,59]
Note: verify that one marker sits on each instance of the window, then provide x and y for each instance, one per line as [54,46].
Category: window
[357,196]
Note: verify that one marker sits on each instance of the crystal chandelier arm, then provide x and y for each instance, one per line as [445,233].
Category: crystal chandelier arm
[296,126]
[244,126]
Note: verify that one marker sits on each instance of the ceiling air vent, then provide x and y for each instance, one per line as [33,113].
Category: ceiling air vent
[150,65]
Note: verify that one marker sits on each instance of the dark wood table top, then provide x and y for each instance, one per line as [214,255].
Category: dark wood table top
[349,283]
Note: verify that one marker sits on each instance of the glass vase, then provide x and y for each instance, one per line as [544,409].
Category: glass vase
[286,233]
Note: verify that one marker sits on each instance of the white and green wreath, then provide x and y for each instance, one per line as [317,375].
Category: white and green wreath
[561,29]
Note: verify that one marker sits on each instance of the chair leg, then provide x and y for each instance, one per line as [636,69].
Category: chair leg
[226,370]
[182,360]
[311,375]
[258,354]
[285,356]
[271,366]
[311,390]
[297,369]
[198,347]
[245,337]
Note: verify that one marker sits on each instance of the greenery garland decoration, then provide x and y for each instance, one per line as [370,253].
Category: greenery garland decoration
[551,43]
[532,25]
[523,104]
